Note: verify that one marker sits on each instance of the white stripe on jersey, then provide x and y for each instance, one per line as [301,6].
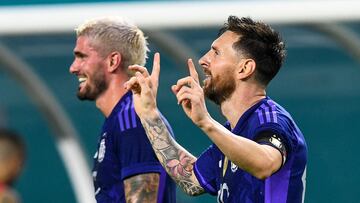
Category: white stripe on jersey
[303,179]
[97,191]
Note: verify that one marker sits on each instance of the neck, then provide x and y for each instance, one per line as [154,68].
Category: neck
[111,96]
[240,101]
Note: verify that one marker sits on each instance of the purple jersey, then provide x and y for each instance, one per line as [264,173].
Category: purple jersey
[235,185]
[124,151]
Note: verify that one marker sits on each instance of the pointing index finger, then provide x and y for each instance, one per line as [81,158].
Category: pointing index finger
[156,67]
[192,70]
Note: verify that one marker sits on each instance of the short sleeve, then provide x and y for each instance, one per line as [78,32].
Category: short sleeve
[279,131]
[205,169]
[136,154]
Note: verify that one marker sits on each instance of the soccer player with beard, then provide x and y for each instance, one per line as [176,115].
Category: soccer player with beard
[125,166]
[259,155]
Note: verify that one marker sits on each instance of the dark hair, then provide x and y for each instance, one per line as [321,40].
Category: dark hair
[260,42]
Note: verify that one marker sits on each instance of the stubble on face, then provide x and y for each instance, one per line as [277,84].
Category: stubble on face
[220,83]
[91,71]
[94,87]
[220,87]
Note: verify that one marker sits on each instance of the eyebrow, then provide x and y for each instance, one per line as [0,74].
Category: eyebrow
[216,49]
[79,54]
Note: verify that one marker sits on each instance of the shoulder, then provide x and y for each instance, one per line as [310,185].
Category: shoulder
[270,117]
[124,117]
[274,119]
[267,112]
[270,113]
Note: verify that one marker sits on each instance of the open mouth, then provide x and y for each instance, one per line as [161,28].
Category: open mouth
[207,78]
[82,81]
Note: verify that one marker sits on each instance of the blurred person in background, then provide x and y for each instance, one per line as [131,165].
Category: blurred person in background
[125,168]
[259,154]
[12,156]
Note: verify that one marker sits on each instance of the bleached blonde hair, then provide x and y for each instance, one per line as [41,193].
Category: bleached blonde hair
[109,34]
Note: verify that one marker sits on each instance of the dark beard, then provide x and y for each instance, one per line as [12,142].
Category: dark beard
[92,91]
[218,90]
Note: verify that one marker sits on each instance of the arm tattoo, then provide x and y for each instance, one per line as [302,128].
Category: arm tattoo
[175,159]
[142,188]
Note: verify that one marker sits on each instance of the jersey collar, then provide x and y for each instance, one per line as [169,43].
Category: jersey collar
[240,124]
[118,105]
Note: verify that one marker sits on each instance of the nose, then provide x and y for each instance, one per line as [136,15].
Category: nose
[204,60]
[73,68]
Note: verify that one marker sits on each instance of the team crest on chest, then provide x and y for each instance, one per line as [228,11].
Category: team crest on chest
[234,167]
[101,152]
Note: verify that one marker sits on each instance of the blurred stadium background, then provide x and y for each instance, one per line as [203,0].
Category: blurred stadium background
[317,85]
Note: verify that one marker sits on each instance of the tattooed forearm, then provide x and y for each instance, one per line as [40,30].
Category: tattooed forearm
[142,188]
[190,188]
[175,159]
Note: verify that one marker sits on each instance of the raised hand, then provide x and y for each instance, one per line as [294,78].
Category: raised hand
[191,96]
[175,159]
[144,86]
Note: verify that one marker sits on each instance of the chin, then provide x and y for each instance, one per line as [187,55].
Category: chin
[81,97]
[85,96]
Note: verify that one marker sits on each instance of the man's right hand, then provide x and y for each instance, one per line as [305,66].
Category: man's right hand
[144,87]
[190,95]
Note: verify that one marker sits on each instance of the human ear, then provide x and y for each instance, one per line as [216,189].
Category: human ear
[114,60]
[246,68]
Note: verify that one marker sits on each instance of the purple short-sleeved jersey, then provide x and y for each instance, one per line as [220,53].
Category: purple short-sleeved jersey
[285,186]
[124,151]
